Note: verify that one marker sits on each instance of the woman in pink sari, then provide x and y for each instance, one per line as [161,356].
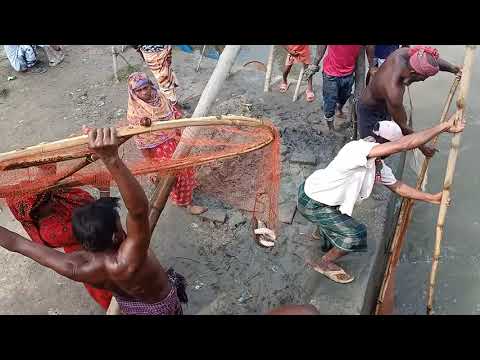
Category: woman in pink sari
[146,104]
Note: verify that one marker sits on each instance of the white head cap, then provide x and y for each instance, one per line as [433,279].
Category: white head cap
[388,130]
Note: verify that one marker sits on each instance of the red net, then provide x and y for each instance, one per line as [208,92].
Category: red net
[239,165]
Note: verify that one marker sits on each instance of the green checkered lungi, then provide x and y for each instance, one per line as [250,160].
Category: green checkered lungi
[337,229]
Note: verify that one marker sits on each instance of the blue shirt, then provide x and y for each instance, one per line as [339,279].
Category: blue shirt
[382,51]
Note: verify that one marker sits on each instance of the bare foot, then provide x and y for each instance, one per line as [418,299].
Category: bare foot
[323,265]
[196,209]
[310,95]
[284,87]
[57,60]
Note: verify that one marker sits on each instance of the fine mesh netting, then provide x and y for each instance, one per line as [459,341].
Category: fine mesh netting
[239,165]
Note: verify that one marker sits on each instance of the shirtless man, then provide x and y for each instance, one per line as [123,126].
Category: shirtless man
[112,259]
[383,97]
[376,55]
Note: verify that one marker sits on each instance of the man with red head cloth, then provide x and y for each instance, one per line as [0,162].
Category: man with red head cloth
[383,97]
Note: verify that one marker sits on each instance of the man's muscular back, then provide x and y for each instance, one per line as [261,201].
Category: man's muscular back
[386,85]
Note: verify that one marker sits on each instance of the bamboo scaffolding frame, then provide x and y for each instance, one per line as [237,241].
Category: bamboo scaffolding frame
[406,210]
[464,89]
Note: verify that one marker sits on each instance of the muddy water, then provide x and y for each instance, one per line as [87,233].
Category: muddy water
[458,281]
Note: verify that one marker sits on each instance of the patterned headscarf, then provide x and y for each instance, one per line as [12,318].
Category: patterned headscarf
[157,108]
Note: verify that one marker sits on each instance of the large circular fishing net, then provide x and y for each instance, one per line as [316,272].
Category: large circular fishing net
[236,162]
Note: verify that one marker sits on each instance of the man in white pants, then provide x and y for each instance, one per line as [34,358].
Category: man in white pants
[24,57]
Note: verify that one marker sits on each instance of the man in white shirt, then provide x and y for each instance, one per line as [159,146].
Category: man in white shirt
[328,196]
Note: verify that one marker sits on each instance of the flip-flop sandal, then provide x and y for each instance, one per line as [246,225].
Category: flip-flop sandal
[335,275]
[57,62]
[310,96]
[283,87]
[260,238]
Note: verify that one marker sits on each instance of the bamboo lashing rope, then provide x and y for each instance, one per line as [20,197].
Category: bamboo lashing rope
[449,173]
[406,212]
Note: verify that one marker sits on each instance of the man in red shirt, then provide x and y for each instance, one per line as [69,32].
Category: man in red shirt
[338,69]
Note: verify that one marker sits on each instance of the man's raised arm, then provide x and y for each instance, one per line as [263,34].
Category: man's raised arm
[446,66]
[417,139]
[134,248]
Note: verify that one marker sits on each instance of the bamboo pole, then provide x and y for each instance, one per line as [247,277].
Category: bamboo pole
[299,82]
[209,94]
[353,116]
[268,74]
[450,171]
[406,215]
[36,152]
[201,58]
[358,89]
[115,66]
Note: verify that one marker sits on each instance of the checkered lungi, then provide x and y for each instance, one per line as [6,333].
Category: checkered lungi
[336,229]
[171,305]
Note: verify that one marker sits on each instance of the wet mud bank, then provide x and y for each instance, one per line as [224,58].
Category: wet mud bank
[227,272]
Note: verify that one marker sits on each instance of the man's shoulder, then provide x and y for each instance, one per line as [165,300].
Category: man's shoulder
[357,147]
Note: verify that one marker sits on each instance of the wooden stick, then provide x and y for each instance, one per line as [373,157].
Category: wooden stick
[201,58]
[353,116]
[406,214]
[299,82]
[359,86]
[57,183]
[41,151]
[452,160]
[268,74]
[115,68]
[124,59]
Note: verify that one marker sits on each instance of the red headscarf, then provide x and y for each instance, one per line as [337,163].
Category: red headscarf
[419,60]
